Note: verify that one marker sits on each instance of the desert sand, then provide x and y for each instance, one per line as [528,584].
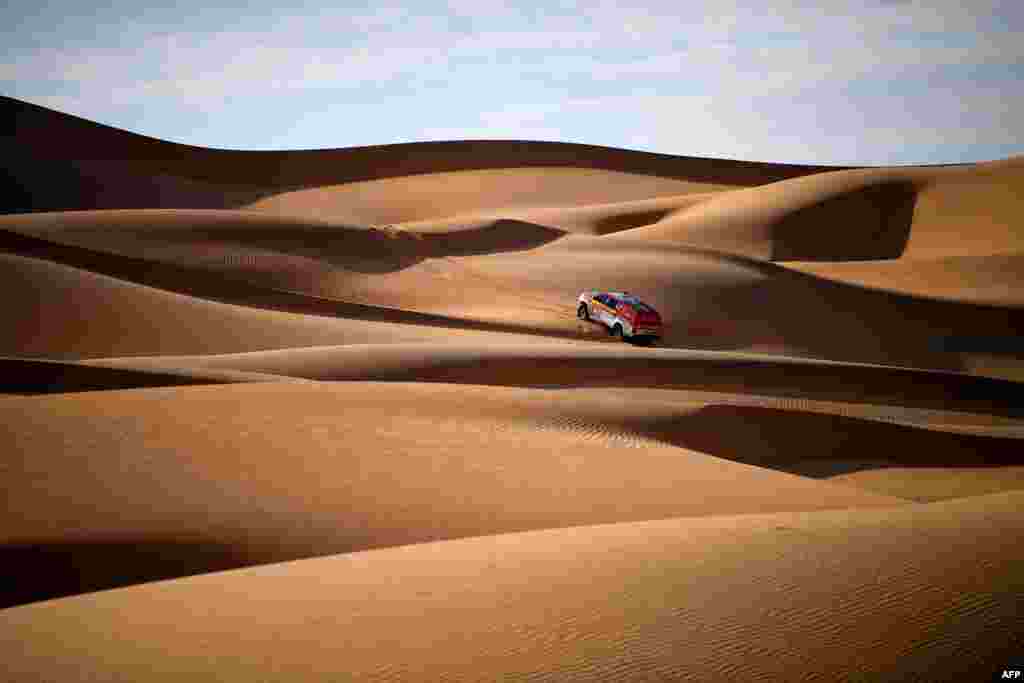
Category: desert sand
[330,415]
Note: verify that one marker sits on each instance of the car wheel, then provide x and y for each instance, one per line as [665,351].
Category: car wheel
[582,313]
[617,330]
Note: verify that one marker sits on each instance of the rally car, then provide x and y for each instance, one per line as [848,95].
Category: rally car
[622,313]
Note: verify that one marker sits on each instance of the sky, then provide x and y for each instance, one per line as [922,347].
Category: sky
[857,82]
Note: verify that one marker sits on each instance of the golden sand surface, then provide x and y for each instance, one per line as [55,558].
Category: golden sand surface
[331,415]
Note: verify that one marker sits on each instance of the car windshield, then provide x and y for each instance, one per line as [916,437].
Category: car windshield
[638,305]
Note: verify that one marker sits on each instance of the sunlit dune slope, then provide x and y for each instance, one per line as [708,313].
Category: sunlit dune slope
[67,312]
[269,471]
[895,594]
[974,211]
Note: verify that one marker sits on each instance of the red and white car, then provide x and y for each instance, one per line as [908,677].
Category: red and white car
[624,315]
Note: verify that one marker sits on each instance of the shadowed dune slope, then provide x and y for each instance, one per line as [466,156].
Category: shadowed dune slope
[881,595]
[281,471]
[34,376]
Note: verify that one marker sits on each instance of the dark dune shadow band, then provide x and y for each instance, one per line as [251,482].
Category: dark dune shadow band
[883,215]
[31,376]
[820,380]
[34,572]
[557,365]
[781,437]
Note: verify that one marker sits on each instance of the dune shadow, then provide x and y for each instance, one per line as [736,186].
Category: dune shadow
[629,220]
[867,224]
[27,377]
[43,571]
[500,236]
[822,445]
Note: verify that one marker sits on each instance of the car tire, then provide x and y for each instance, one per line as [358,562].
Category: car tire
[617,330]
[582,313]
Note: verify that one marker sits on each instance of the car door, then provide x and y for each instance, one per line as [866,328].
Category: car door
[597,309]
[607,310]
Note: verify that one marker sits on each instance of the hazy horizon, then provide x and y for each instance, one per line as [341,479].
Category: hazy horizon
[833,84]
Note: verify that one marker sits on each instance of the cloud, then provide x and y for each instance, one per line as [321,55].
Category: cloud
[679,75]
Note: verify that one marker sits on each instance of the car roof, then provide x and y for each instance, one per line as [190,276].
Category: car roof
[625,296]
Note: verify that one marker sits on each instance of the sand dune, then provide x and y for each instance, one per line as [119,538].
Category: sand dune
[369,357]
[507,277]
[69,163]
[863,214]
[837,595]
[280,471]
[839,215]
[74,313]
